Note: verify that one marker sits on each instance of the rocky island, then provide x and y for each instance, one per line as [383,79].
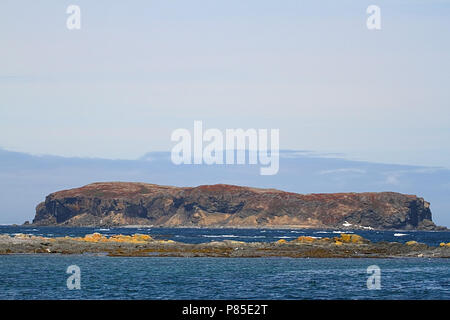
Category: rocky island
[112,204]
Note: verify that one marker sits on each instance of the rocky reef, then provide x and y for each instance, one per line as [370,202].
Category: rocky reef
[123,203]
[344,246]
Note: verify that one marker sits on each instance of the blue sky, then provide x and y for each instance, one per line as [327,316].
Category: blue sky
[137,70]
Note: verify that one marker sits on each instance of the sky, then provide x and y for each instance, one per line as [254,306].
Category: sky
[138,70]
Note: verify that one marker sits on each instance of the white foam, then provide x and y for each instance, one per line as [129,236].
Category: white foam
[253,237]
[400,234]
[220,236]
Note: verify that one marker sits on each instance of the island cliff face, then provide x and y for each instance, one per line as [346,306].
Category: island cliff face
[123,203]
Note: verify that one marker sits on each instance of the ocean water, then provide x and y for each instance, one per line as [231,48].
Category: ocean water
[102,277]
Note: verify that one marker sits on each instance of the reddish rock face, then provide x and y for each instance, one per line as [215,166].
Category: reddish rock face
[123,203]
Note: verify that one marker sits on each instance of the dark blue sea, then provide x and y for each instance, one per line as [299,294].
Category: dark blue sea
[102,277]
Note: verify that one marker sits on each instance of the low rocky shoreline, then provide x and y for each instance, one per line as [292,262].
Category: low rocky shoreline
[138,245]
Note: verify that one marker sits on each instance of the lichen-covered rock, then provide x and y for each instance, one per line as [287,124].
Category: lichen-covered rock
[131,245]
[350,238]
[142,237]
[97,237]
[345,238]
[305,239]
[122,203]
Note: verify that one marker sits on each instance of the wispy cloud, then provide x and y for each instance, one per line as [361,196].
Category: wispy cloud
[343,170]
[392,178]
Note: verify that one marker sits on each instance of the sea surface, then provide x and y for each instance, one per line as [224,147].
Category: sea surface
[102,277]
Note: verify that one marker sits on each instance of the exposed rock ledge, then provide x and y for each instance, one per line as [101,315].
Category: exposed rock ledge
[344,246]
[124,203]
